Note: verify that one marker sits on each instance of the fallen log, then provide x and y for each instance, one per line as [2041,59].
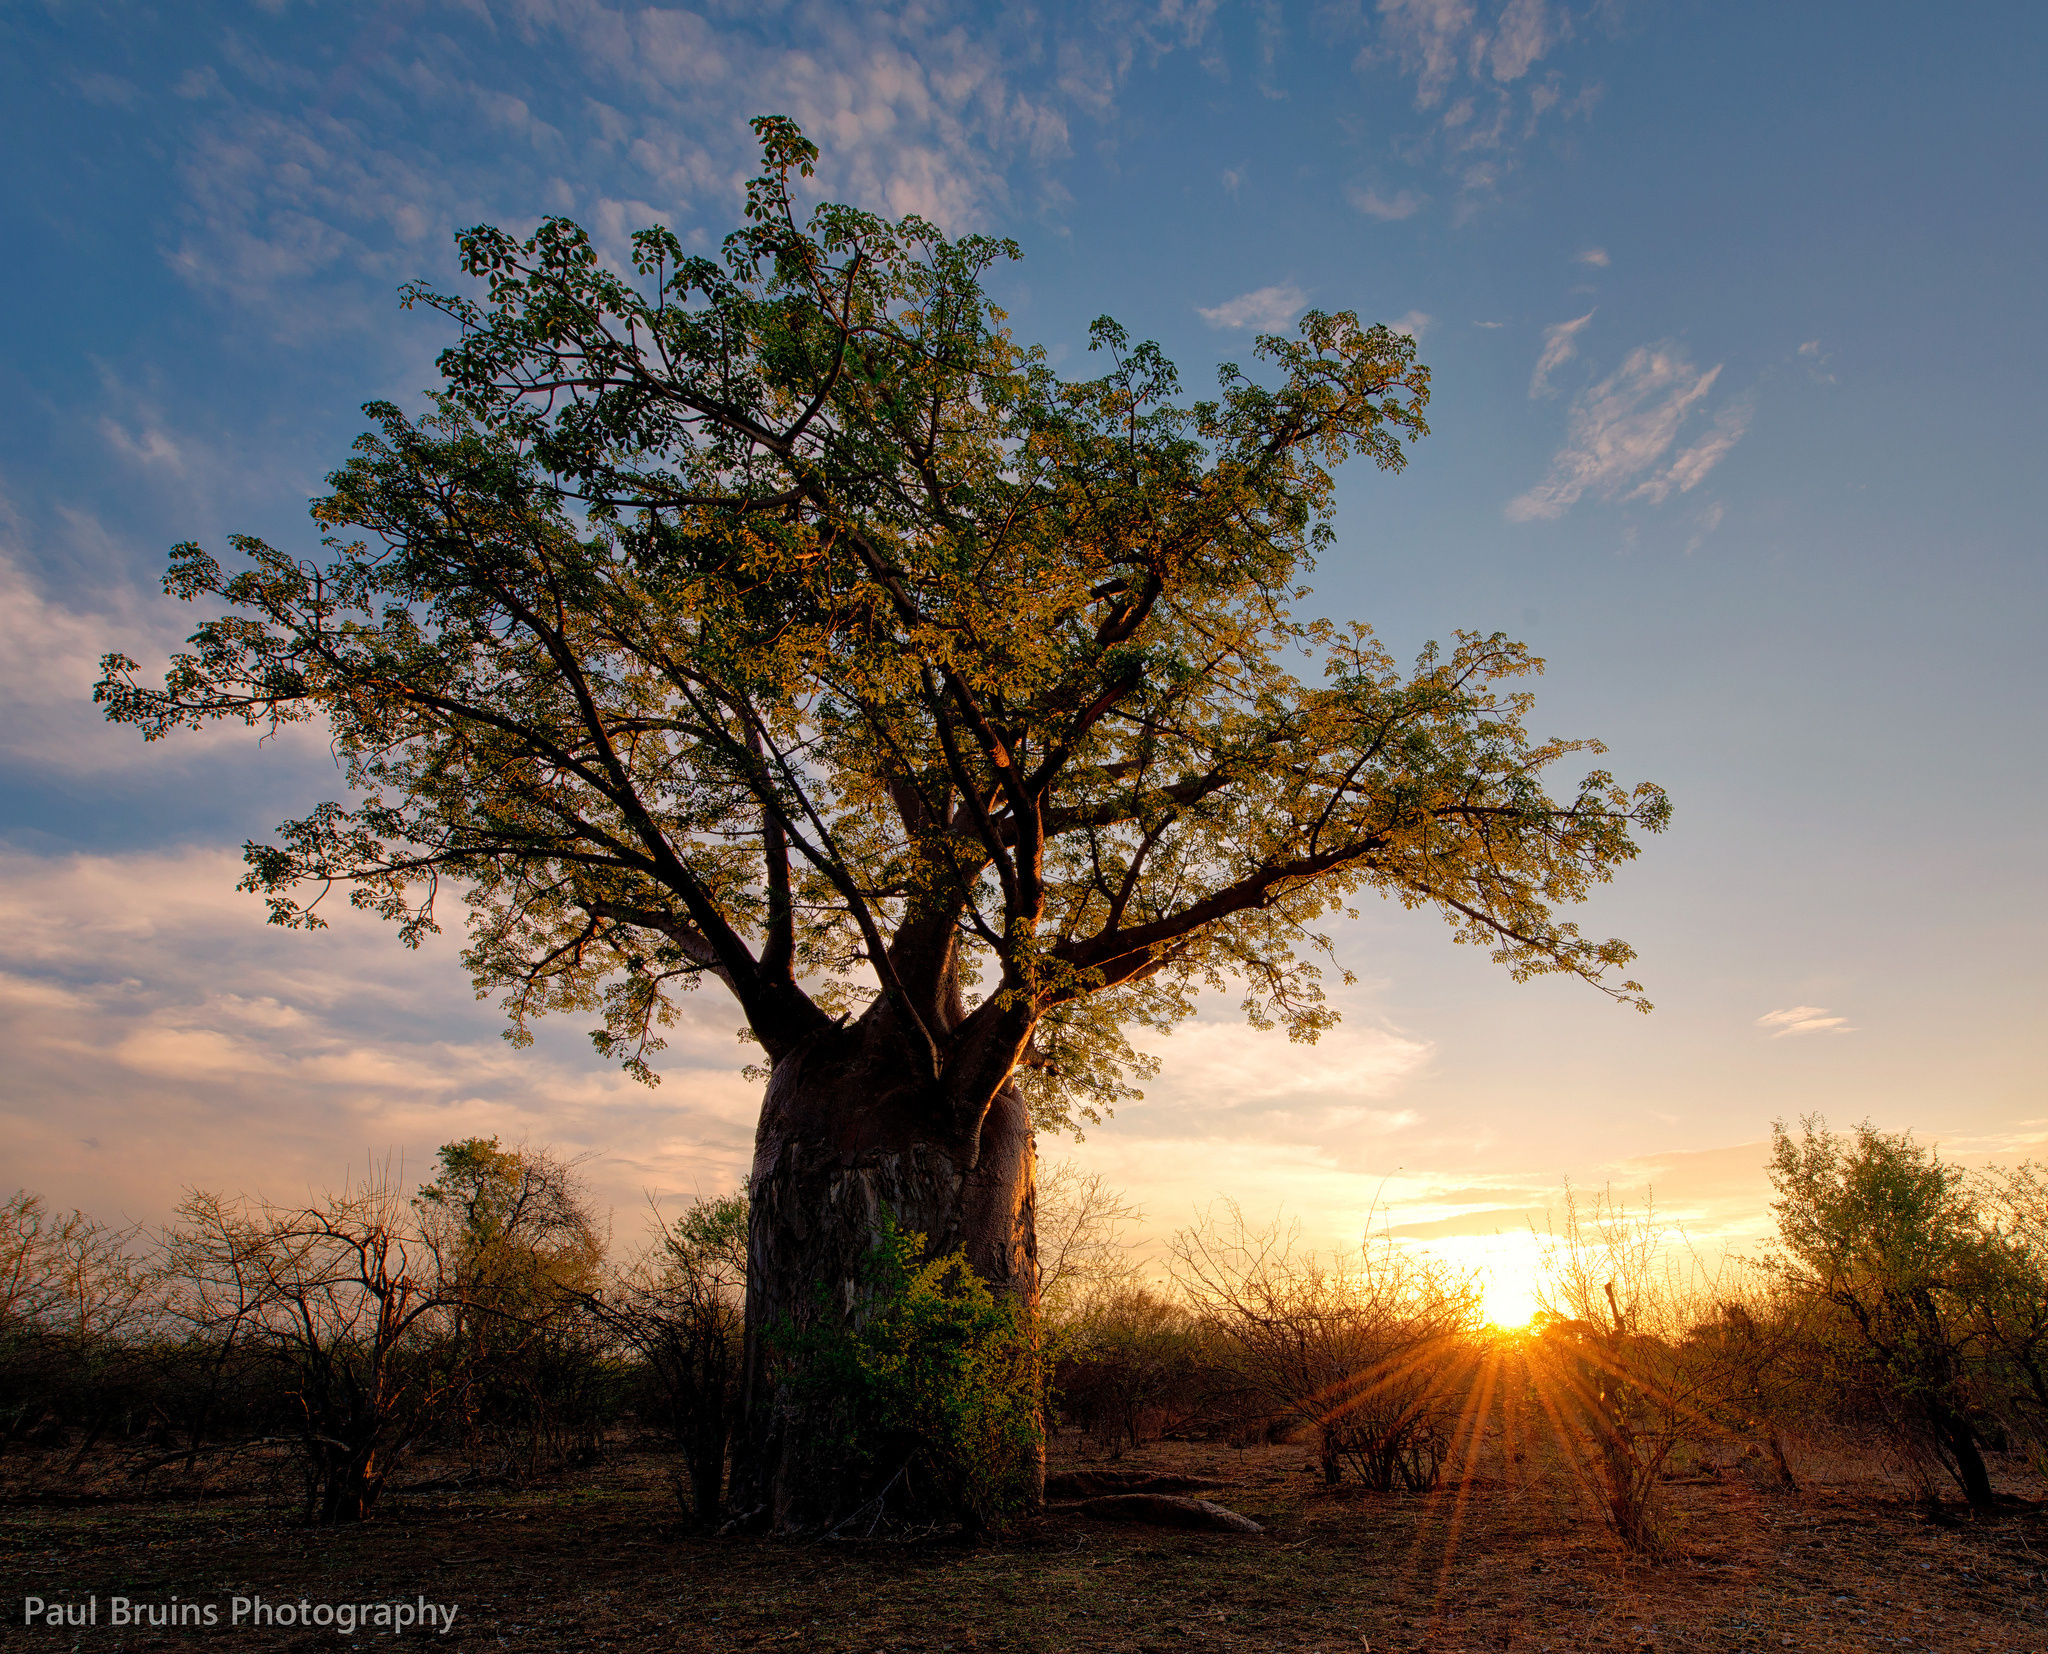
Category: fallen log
[1086,1484]
[1167,1510]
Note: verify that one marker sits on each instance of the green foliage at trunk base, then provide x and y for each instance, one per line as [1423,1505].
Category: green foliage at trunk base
[936,1392]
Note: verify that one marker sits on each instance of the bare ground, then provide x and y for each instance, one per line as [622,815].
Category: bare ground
[598,1560]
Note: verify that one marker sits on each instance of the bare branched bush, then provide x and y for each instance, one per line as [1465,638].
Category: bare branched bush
[76,1304]
[1372,1353]
[1083,1258]
[1643,1347]
[1746,1353]
[1611,1359]
[338,1300]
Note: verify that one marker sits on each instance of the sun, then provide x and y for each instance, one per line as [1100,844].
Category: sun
[1509,1298]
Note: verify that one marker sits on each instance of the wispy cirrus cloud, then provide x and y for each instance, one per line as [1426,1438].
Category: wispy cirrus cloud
[1387,208]
[1475,70]
[1691,465]
[1560,345]
[1269,308]
[291,198]
[1594,256]
[1622,429]
[1803,1019]
[1429,39]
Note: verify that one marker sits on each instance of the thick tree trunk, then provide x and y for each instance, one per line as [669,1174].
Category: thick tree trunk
[845,1138]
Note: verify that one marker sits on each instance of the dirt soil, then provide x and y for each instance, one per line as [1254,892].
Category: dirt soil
[599,1561]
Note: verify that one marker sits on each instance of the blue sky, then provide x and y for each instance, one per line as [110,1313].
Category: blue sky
[1734,312]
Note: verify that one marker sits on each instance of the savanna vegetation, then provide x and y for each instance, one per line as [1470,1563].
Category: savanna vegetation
[479,1337]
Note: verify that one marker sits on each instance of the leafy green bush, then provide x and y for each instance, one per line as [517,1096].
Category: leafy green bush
[938,1387]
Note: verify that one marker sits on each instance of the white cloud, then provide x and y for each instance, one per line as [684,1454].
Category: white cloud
[110,91]
[1595,256]
[50,650]
[1401,204]
[1414,324]
[160,1035]
[1470,62]
[1520,38]
[1428,37]
[1690,467]
[286,200]
[1231,1066]
[49,661]
[1267,308]
[1621,429]
[1708,521]
[1560,345]
[1803,1019]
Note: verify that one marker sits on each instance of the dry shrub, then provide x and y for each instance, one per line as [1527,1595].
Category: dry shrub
[77,1303]
[1132,1366]
[1642,1347]
[1129,1361]
[1374,1353]
[338,1300]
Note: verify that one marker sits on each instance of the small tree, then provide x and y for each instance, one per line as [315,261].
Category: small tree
[1887,1236]
[524,1252]
[681,1310]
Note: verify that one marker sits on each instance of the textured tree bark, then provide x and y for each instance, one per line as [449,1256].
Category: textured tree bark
[844,1137]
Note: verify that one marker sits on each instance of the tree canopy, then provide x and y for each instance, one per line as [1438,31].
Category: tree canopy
[781,618]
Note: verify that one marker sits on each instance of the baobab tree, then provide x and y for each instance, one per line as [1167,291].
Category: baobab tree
[781,619]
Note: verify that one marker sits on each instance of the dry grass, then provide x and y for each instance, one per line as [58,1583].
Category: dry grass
[1500,1562]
